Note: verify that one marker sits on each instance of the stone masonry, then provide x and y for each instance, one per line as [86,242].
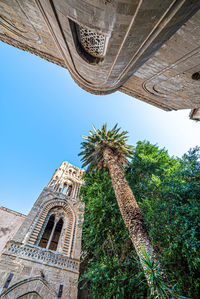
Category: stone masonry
[148,49]
[40,258]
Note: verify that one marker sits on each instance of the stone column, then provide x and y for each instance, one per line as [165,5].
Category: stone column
[74,191]
[78,191]
[62,235]
[52,233]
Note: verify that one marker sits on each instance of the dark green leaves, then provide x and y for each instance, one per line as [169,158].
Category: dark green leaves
[168,192]
[110,270]
[159,287]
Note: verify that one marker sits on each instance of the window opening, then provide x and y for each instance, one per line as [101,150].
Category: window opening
[90,44]
[69,190]
[64,188]
[60,291]
[47,232]
[8,280]
[56,235]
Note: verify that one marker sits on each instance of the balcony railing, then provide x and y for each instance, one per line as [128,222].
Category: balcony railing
[42,255]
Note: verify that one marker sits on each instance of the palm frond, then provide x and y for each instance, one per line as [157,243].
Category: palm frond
[159,287]
[99,139]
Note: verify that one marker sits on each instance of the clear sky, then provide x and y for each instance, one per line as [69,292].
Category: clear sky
[43,115]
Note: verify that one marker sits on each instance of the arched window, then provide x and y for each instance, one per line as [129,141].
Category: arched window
[47,232]
[51,234]
[90,44]
[43,230]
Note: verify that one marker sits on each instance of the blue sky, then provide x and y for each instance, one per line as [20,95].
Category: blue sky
[43,115]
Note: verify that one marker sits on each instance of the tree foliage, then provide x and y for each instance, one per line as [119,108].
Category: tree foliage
[168,192]
[110,269]
[95,144]
[108,148]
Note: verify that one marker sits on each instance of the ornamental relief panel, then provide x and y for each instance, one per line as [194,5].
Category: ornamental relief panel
[41,255]
[93,42]
[68,230]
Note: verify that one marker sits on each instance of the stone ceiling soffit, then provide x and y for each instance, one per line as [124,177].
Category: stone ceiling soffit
[22,26]
[166,80]
[134,31]
[148,27]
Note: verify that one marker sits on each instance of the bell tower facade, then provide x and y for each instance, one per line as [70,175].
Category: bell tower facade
[42,259]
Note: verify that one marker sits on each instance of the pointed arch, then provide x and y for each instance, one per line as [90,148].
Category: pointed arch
[70,228]
[35,285]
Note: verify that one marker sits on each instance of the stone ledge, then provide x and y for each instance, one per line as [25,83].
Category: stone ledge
[42,256]
[12,212]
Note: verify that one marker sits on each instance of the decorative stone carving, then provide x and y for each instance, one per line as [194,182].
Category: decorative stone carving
[41,255]
[93,42]
[42,220]
[108,45]
[48,242]
[59,213]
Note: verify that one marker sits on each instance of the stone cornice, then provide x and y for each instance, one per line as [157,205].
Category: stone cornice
[41,255]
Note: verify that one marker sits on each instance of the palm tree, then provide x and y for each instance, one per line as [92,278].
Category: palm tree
[108,148]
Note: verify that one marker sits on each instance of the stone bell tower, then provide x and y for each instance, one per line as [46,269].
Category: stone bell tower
[42,259]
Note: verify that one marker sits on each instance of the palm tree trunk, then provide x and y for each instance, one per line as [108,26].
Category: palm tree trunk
[128,206]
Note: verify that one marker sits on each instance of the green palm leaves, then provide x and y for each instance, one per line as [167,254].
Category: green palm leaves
[157,282]
[97,141]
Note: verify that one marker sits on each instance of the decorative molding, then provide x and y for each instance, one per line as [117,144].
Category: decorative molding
[71,224]
[22,286]
[118,39]
[17,44]
[13,212]
[149,85]
[137,95]
[16,29]
[151,42]
[42,256]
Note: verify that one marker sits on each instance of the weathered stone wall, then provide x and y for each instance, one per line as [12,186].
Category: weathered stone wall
[166,79]
[22,26]
[10,222]
[40,270]
[112,45]
[25,270]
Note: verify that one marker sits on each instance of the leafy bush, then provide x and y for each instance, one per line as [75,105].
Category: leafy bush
[168,192]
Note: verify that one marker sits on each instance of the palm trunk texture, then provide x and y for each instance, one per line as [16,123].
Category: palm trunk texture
[128,206]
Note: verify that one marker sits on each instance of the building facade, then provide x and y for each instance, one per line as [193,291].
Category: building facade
[148,49]
[40,252]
